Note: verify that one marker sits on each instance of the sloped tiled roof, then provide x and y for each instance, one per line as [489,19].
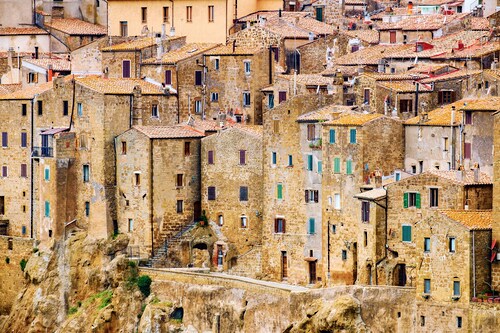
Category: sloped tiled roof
[375,194]
[371,55]
[421,22]
[478,23]
[474,51]
[9,88]
[471,219]
[490,103]
[29,92]
[4,31]
[185,52]
[72,26]
[169,132]
[465,177]
[286,28]
[354,119]
[325,113]
[368,36]
[238,50]
[254,130]
[118,86]
[133,45]
[394,77]
[405,86]
[311,25]
[308,79]
[60,65]
[345,70]
[452,75]
[438,117]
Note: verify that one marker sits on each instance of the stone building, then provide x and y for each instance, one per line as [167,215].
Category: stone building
[355,147]
[414,200]
[234,79]
[34,71]
[183,72]
[495,276]
[232,196]
[288,173]
[158,177]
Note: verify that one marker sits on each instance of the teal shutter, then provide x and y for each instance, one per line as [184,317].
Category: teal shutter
[271,101]
[309,162]
[311,226]
[406,233]
[336,165]
[418,200]
[280,191]
[405,200]
[290,160]
[332,136]
[47,209]
[47,174]
[349,167]
[320,167]
[274,157]
[352,133]
[319,14]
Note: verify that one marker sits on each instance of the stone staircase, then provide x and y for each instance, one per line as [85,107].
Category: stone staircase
[249,263]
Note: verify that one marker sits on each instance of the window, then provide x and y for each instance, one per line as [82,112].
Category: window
[320,167]
[243,221]
[124,148]
[467,150]
[468,117]
[279,225]
[123,28]
[247,65]
[65,108]
[434,197]
[24,229]
[210,157]
[332,136]
[5,172]
[216,64]
[47,209]
[365,211]
[168,77]
[126,68]
[144,14]
[214,97]
[336,165]
[187,148]
[154,111]
[24,110]
[459,319]
[406,105]
[165,14]
[344,255]
[246,99]
[281,97]
[276,126]
[46,173]
[87,208]
[24,139]
[392,37]
[2,205]
[309,162]
[456,288]
[189,13]
[137,178]
[32,77]
[180,206]
[197,78]
[179,180]
[86,173]
[406,233]
[270,101]
[274,158]
[411,199]
[452,244]
[243,154]
[40,107]
[290,160]
[421,166]
[319,14]
[349,167]
[5,139]
[446,96]
[276,52]
[198,106]
[311,196]
[427,244]
[311,227]
[334,228]
[352,135]
[427,286]
[354,48]
[336,201]
[446,144]
[243,193]
[365,239]
[279,191]
[220,220]
[422,320]
[79,109]
[130,225]
[211,193]
[366,95]
[24,170]
[311,132]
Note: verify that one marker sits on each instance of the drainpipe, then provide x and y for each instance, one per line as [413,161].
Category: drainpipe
[151,196]
[416,98]
[452,138]
[473,264]
[131,117]
[32,188]
[178,94]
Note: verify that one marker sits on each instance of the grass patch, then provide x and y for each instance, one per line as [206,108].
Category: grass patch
[104,296]
[23,263]
[72,310]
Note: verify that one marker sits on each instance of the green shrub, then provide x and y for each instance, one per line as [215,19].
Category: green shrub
[35,250]
[72,310]
[144,284]
[106,297]
[23,263]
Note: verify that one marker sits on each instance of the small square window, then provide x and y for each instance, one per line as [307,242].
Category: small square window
[243,193]
[130,225]
[180,206]
[406,233]
[452,244]
[243,221]
[427,286]
[427,244]
[344,254]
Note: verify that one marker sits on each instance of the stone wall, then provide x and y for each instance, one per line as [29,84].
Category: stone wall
[496,198]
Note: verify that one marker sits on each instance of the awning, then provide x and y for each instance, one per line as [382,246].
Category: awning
[53,131]
[310,259]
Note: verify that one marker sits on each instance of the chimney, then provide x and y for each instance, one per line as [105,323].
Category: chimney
[460,173]
[279,13]
[452,115]
[476,173]
[50,73]
[460,45]
[410,8]
[10,56]
[494,64]
[137,106]
[378,178]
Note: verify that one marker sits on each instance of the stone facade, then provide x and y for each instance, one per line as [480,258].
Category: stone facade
[231,164]
[496,198]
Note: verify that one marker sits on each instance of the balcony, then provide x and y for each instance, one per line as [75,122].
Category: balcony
[39,152]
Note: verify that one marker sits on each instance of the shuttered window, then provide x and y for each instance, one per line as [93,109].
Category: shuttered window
[168,77]
[47,174]
[411,199]
[467,150]
[336,165]
[211,193]
[5,139]
[365,211]
[210,157]
[309,162]
[126,68]
[274,158]
[243,193]
[320,167]
[47,209]
[24,139]
[332,136]
[311,229]
[406,233]
[279,225]
[242,157]
[279,191]
[349,167]
[352,135]
[24,170]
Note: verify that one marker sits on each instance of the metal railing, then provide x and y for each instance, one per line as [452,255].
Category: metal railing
[42,152]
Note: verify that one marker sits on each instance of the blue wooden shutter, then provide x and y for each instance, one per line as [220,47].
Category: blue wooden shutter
[332,136]
[311,225]
[352,133]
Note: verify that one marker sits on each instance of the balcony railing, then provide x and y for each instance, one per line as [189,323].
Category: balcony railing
[42,152]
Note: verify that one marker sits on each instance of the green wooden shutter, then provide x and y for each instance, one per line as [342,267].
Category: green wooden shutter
[320,167]
[418,200]
[349,167]
[352,135]
[319,14]
[47,174]
[309,162]
[336,165]
[280,191]
[332,136]
[406,233]
[311,225]
[405,200]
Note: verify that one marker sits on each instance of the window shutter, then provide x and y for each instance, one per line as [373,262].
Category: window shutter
[168,77]
[332,136]
[320,167]
[275,226]
[311,226]
[284,225]
[405,200]
[336,165]
[440,97]
[349,167]
[316,196]
[309,162]
[242,157]
[306,195]
[352,135]
[280,191]
[406,233]
[418,200]
[452,95]
[367,212]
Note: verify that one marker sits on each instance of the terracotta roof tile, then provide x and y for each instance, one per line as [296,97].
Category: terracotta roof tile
[312,25]
[286,28]
[238,50]
[478,23]
[493,72]
[9,88]
[438,117]
[135,44]
[452,75]
[255,130]
[60,65]
[268,14]
[118,86]
[465,177]
[491,103]
[169,132]
[185,52]
[368,36]
[421,22]
[404,86]
[325,113]
[472,220]
[29,92]
[72,26]
[355,119]
[345,70]
[475,51]
[308,79]
[371,55]
[4,31]
[394,77]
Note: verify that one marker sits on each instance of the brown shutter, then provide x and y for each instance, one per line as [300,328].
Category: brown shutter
[275,225]
[440,97]
[284,225]
[307,195]
[316,196]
